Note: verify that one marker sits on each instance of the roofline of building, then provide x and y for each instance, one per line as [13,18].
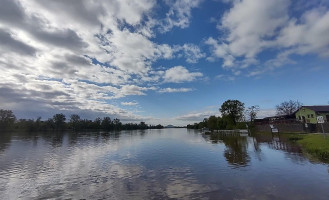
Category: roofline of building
[314,105]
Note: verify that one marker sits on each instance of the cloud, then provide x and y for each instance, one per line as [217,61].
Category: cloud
[133,90]
[133,52]
[191,52]
[174,90]
[180,74]
[248,23]
[132,12]
[32,26]
[225,77]
[78,56]
[132,103]
[309,35]
[196,116]
[10,44]
[252,27]
[23,93]
[179,14]
[266,113]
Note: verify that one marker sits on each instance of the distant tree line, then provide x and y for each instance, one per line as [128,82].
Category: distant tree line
[59,122]
[217,123]
[234,116]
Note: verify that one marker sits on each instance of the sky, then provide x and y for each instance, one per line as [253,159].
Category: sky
[161,61]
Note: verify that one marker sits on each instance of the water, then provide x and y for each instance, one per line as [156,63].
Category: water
[156,164]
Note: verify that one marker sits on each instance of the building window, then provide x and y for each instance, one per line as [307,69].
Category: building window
[308,116]
[312,115]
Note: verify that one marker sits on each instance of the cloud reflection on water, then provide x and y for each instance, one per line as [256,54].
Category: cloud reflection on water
[171,163]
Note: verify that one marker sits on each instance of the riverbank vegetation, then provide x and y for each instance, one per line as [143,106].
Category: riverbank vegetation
[316,145]
[218,123]
[234,116]
[59,122]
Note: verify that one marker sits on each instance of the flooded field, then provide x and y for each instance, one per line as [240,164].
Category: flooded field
[156,164]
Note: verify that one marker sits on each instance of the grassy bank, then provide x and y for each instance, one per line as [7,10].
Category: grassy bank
[316,145]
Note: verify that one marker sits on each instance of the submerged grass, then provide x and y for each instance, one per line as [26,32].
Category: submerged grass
[317,145]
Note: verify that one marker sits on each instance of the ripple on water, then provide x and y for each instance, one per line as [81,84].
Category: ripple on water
[165,164]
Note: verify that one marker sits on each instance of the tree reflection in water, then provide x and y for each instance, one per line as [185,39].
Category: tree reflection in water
[236,152]
[156,164]
[281,142]
[277,142]
[5,139]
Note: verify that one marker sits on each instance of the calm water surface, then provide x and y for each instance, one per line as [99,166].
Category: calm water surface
[156,164]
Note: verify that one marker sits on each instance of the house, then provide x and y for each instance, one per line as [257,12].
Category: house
[308,114]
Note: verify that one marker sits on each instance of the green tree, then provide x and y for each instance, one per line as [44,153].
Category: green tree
[107,123]
[142,125]
[221,123]
[97,123]
[38,124]
[50,124]
[232,109]
[75,122]
[117,124]
[236,151]
[212,123]
[7,119]
[59,121]
[203,124]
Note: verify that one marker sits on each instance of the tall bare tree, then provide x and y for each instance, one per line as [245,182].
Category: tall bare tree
[288,107]
[251,112]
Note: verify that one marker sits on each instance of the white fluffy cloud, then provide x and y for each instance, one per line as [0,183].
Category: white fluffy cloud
[179,14]
[255,26]
[191,52]
[180,74]
[131,103]
[133,52]
[196,116]
[249,23]
[174,90]
[309,35]
[80,55]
